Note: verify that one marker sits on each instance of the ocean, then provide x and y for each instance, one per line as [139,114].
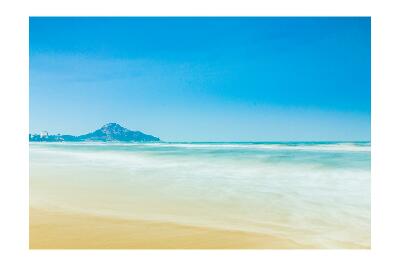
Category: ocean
[314,193]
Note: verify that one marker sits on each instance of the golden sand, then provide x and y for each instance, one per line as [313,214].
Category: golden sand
[63,230]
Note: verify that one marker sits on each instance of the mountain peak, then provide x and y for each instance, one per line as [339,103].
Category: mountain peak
[112,125]
[113,129]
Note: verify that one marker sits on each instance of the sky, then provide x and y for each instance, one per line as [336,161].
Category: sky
[204,78]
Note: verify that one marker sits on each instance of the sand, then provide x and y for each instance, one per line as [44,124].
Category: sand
[67,230]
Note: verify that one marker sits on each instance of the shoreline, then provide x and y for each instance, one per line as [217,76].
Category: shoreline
[68,230]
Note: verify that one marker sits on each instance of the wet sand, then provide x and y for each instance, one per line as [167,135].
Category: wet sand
[67,230]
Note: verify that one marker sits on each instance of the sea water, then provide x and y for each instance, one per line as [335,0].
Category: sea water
[315,193]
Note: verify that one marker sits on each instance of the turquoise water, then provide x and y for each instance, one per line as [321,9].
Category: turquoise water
[312,193]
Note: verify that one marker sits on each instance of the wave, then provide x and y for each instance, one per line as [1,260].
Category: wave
[334,147]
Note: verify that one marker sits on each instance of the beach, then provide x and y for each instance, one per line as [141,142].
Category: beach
[199,195]
[63,230]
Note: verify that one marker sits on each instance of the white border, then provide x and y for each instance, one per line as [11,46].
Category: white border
[14,128]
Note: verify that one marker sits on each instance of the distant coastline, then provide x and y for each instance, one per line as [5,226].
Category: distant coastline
[108,132]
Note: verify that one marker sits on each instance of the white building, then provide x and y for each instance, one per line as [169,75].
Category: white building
[44,134]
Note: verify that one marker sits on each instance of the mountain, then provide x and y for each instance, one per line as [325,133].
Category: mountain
[108,132]
[115,132]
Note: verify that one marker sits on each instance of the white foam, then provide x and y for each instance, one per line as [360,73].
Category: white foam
[313,147]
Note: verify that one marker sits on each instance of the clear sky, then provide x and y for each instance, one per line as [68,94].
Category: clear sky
[203,79]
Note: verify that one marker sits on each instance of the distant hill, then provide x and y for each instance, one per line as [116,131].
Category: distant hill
[108,132]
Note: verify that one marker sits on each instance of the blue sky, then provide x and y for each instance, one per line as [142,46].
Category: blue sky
[203,79]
